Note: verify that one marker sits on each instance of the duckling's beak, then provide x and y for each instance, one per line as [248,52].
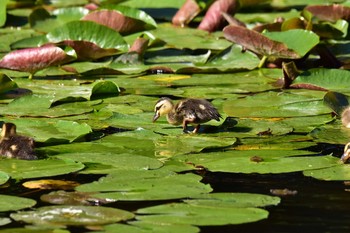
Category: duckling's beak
[156,116]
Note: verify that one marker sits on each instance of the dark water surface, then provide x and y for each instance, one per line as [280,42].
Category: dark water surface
[319,206]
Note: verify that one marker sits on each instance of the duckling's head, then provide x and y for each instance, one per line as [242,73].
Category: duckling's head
[162,107]
[346,156]
[8,129]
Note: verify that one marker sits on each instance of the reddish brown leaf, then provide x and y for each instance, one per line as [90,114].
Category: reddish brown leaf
[307,86]
[89,51]
[139,46]
[34,59]
[330,13]
[115,20]
[258,43]
[214,19]
[186,13]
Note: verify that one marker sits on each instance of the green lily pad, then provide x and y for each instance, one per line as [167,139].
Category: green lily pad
[73,215]
[181,38]
[300,41]
[330,79]
[82,30]
[332,133]
[168,146]
[51,131]
[104,89]
[146,185]
[268,161]
[12,203]
[234,200]
[275,104]
[124,161]
[146,227]
[340,172]
[4,177]
[34,230]
[200,215]
[39,105]
[22,169]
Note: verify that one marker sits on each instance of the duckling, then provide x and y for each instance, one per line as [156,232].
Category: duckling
[187,111]
[15,146]
[346,155]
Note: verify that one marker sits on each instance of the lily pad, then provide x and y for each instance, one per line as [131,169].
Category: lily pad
[52,131]
[270,161]
[146,185]
[234,200]
[5,221]
[4,177]
[284,104]
[35,230]
[21,169]
[12,203]
[72,198]
[189,38]
[116,161]
[125,20]
[148,227]
[200,215]
[340,172]
[328,79]
[73,215]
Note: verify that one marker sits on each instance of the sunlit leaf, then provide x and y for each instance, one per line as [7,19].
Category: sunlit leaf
[50,184]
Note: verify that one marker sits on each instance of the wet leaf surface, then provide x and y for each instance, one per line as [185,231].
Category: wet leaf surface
[72,215]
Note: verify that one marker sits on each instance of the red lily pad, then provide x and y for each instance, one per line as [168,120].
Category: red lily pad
[214,18]
[186,13]
[258,43]
[34,59]
[330,12]
[123,19]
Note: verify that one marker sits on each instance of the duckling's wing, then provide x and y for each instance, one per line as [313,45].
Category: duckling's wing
[207,111]
[199,110]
